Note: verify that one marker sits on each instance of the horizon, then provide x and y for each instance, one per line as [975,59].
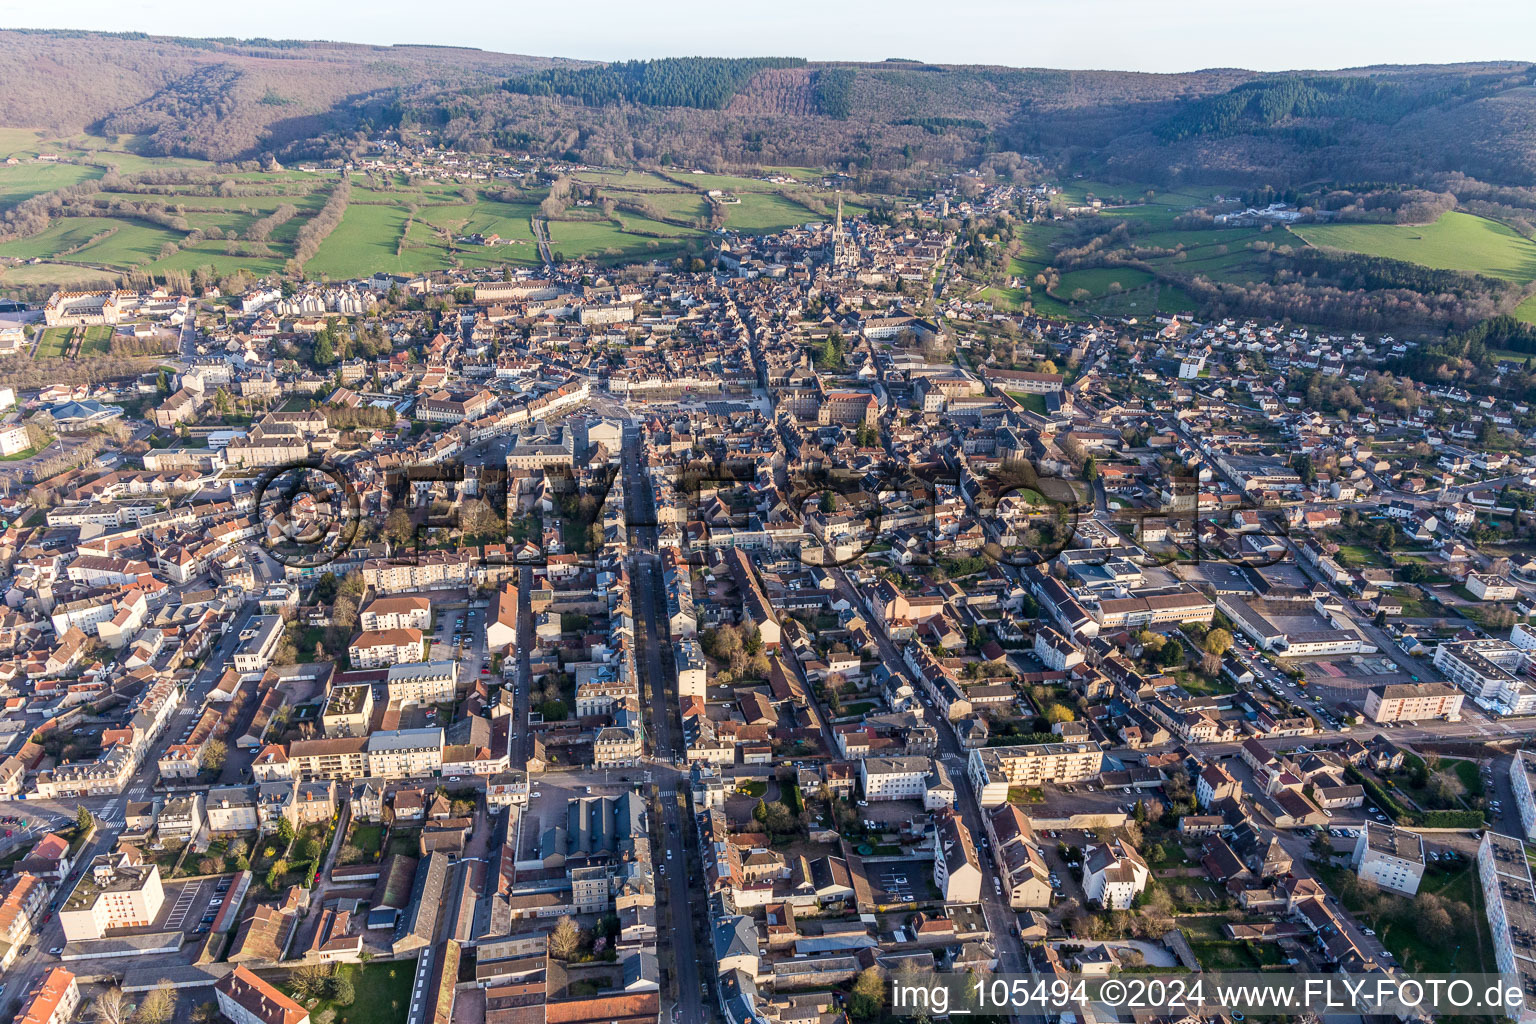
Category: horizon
[1199,37]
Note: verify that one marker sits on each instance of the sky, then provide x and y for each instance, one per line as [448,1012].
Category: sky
[1173,35]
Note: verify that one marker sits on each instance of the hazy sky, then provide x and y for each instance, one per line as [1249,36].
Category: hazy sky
[1140,35]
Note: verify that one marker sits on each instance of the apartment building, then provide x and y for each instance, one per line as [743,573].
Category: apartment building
[257,644]
[1509,899]
[342,758]
[1413,702]
[53,1000]
[231,809]
[348,711]
[119,891]
[1487,670]
[399,612]
[424,682]
[907,778]
[378,648]
[1391,857]
[405,753]
[1113,873]
[1522,779]
[993,769]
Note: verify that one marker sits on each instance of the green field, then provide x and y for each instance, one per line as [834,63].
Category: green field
[1100,281]
[1457,241]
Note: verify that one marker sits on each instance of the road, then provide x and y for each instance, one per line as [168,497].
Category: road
[1000,917]
[671,835]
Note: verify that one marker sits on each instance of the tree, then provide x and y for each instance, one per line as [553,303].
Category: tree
[1171,656]
[214,753]
[309,981]
[341,990]
[309,849]
[84,819]
[565,939]
[1057,713]
[760,812]
[1218,641]
[157,1006]
[110,1006]
[285,830]
[398,528]
[867,1000]
[1090,469]
[478,519]
[828,502]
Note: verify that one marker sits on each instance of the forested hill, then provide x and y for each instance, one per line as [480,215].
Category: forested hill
[227,98]
[705,82]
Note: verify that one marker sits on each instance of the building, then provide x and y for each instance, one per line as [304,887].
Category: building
[501,629]
[1489,587]
[1522,779]
[1413,702]
[1391,857]
[994,769]
[426,682]
[1488,671]
[907,778]
[1509,897]
[348,711]
[119,891]
[956,868]
[342,759]
[53,999]
[246,999]
[378,648]
[1214,784]
[231,809]
[1113,873]
[257,644]
[399,612]
[405,753]
[616,747]
[1025,876]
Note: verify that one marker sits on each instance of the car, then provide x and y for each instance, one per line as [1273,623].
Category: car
[669,855]
[56,950]
[863,803]
[906,899]
[1367,931]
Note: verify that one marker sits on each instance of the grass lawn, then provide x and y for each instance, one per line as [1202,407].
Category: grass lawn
[383,992]
[1030,401]
[1473,945]
[755,787]
[53,342]
[1470,776]
[368,838]
[1358,555]
[1457,241]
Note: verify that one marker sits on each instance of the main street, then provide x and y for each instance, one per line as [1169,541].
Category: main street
[653,656]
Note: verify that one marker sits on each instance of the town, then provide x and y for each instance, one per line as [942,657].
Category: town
[717,639]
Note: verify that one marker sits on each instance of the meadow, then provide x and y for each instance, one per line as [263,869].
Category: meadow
[391,223]
[1457,241]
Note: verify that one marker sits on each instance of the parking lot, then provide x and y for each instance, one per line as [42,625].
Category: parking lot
[907,881]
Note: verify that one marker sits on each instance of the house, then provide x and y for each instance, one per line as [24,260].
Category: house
[956,868]
[1113,873]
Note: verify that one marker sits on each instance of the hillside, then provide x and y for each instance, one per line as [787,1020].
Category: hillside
[229,99]
[222,99]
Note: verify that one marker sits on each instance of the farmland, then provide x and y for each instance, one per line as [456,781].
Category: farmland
[1457,241]
[391,223]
